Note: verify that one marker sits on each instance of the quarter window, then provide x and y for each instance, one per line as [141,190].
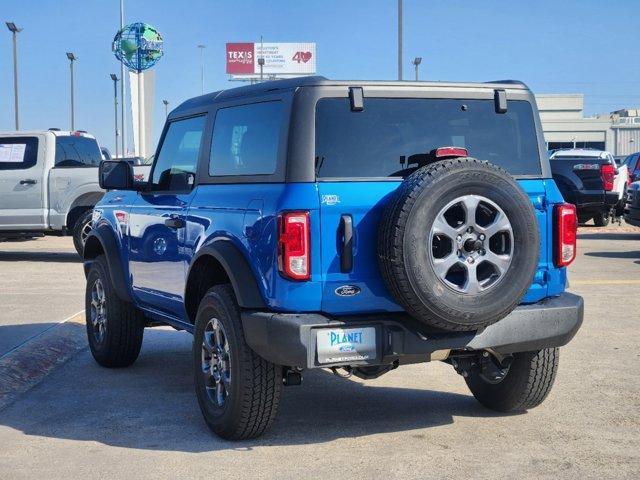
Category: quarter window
[175,166]
[246,140]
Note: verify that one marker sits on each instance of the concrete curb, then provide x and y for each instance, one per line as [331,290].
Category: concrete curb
[28,364]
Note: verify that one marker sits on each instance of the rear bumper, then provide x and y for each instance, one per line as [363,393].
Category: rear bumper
[595,199]
[290,339]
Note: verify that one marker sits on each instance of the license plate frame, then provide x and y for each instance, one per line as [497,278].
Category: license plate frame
[346,345]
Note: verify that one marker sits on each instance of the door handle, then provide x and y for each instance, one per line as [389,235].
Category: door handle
[346,256]
[28,181]
[174,222]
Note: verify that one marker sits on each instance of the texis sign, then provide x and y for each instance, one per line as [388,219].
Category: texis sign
[280,59]
[240,58]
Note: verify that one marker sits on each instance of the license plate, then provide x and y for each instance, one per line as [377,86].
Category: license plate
[346,344]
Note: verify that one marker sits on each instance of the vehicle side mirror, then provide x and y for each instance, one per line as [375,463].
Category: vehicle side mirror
[116,175]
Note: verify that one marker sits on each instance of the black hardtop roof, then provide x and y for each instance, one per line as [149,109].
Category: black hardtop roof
[319,81]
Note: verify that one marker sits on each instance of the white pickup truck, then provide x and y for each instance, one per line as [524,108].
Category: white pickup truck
[48,184]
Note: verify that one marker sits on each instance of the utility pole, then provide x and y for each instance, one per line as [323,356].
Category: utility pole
[123,124]
[417,61]
[399,39]
[114,77]
[202,47]
[72,58]
[15,30]
[166,108]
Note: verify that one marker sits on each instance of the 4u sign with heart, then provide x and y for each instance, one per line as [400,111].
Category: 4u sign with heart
[301,57]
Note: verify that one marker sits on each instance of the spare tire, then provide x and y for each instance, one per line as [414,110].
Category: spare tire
[458,244]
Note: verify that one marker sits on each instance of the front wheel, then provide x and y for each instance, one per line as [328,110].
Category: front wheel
[81,231]
[238,391]
[114,326]
[525,385]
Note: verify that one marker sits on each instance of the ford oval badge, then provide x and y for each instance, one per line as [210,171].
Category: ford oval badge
[347,290]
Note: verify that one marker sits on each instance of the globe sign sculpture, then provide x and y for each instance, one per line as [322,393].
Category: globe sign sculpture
[138,46]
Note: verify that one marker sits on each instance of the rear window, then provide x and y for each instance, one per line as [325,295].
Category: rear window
[18,153]
[77,152]
[390,137]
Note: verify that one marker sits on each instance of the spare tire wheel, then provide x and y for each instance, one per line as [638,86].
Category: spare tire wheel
[458,244]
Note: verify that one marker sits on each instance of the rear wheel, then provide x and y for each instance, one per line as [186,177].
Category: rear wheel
[238,391]
[114,327]
[81,231]
[524,385]
[601,219]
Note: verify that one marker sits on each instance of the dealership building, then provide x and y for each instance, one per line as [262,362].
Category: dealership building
[565,126]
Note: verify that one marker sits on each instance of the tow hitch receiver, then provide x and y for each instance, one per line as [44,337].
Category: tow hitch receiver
[492,367]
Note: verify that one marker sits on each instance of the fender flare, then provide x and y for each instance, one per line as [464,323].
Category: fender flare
[237,269]
[104,235]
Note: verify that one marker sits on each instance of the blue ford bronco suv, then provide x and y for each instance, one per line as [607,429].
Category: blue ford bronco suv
[354,226]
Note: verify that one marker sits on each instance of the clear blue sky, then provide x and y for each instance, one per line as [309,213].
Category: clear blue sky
[581,46]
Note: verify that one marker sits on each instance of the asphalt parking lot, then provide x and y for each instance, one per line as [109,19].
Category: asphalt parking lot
[83,421]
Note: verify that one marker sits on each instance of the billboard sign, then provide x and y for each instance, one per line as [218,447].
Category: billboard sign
[280,59]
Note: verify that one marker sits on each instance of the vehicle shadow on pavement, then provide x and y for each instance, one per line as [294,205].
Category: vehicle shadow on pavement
[632,254]
[58,257]
[609,236]
[152,406]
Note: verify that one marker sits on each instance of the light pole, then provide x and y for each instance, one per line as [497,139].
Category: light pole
[166,108]
[114,77]
[417,61]
[261,63]
[72,58]
[399,39]
[202,47]
[261,58]
[123,124]
[15,30]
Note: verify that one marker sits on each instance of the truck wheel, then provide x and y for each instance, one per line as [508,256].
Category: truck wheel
[114,327]
[526,384]
[601,219]
[81,231]
[238,391]
[458,244]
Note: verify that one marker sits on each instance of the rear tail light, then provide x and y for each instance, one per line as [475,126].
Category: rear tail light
[608,173]
[566,226]
[294,245]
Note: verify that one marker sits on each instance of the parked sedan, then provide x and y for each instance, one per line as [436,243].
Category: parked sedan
[632,163]
[632,208]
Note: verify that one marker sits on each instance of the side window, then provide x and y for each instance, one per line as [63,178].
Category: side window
[18,153]
[77,151]
[246,139]
[175,167]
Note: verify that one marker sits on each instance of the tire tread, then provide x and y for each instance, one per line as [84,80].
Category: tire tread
[526,385]
[125,327]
